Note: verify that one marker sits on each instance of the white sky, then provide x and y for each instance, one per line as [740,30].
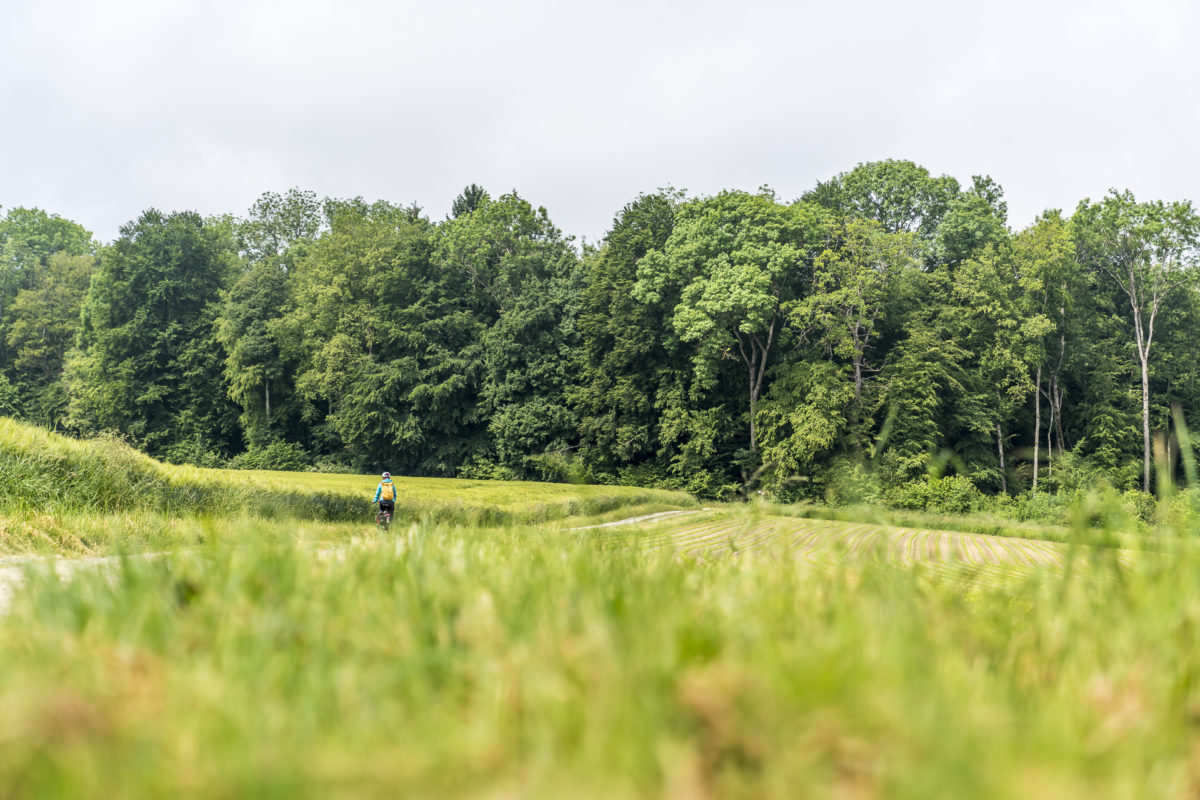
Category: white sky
[110,108]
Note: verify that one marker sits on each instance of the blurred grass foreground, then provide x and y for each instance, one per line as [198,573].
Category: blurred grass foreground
[472,662]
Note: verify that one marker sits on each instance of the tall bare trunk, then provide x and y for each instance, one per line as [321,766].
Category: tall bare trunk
[1050,444]
[1143,350]
[1145,421]
[1058,433]
[1000,449]
[1037,424]
[267,395]
[753,408]
[1056,393]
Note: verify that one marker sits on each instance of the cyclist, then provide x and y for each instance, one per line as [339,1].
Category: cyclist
[385,495]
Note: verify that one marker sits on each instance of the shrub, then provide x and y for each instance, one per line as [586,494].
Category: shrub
[480,468]
[851,483]
[1141,505]
[561,467]
[194,452]
[329,465]
[1180,511]
[276,456]
[1040,506]
[952,494]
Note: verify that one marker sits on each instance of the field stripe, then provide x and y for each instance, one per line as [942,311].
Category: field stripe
[962,556]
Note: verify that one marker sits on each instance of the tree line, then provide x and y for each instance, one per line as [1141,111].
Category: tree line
[887,323]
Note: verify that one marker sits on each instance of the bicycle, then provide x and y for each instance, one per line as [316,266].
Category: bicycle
[383,519]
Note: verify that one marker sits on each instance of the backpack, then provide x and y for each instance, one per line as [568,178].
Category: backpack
[388,492]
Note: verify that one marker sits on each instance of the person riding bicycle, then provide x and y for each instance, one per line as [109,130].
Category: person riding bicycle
[385,494]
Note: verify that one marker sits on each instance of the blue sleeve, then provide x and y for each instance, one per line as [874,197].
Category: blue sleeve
[378,491]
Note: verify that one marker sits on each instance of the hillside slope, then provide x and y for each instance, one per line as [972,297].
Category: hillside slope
[41,471]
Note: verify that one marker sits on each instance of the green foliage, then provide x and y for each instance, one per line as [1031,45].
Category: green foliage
[802,418]
[43,323]
[974,220]
[363,323]
[1180,511]
[45,267]
[1146,252]
[278,224]
[258,372]
[287,456]
[367,336]
[10,398]
[521,279]
[850,483]
[632,366]
[899,195]
[150,365]
[923,377]
[261,363]
[948,494]
[734,261]
[472,198]
[1142,505]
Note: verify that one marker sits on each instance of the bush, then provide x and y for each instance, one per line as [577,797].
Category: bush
[330,465]
[699,482]
[851,483]
[561,467]
[953,494]
[480,468]
[1041,507]
[194,452]
[1180,512]
[1141,505]
[287,456]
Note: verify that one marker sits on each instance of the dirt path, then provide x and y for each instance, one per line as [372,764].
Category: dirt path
[636,520]
[12,570]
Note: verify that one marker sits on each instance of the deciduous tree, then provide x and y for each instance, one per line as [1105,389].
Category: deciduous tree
[1148,252]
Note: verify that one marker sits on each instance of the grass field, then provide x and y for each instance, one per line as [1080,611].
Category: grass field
[733,531]
[63,495]
[729,652]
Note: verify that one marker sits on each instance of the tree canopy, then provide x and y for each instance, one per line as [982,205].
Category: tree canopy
[889,322]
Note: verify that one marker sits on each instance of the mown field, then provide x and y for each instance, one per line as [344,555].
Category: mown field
[728,652]
[707,534]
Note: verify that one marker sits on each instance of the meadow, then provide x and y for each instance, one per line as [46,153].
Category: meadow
[531,651]
[65,495]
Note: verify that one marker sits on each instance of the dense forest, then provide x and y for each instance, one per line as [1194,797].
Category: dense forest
[887,325]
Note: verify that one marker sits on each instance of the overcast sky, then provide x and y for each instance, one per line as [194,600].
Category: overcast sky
[108,108]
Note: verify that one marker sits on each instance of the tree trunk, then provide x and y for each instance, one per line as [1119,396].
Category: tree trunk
[1050,444]
[753,406]
[1037,425]
[267,395]
[1056,393]
[1143,351]
[754,354]
[1058,434]
[1000,449]
[1145,419]
[858,380]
